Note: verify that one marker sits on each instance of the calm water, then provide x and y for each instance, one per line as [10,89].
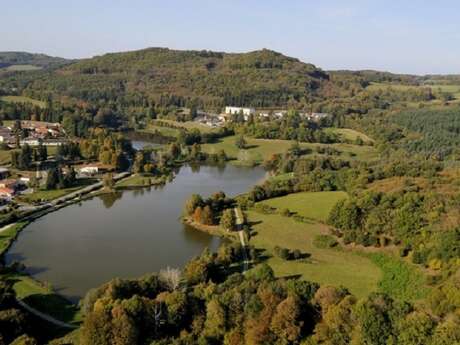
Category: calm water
[123,235]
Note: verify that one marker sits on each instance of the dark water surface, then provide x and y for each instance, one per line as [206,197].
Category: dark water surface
[126,234]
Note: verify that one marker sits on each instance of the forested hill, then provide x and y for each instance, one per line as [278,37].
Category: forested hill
[9,59]
[260,78]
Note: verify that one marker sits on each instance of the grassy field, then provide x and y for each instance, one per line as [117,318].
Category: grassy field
[42,298]
[259,150]
[400,87]
[325,266]
[20,68]
[48,195]
[453,89]
[350,134]
[137,180]
[22,99]
[311,205]
[190,125]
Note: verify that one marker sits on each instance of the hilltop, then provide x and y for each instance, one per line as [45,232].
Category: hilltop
[19,60]
[260,78]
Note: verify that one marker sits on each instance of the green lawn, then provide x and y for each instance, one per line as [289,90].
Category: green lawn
[23,99]
[7,235]
[42,298]
[48,195]
[259,150]
[136,180]
[190,125]
[308,204]
[325,266]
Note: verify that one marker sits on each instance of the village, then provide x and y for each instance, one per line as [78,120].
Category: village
[244,114]
[19,185]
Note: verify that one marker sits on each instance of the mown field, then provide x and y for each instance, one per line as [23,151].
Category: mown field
[325,266]
[309,204]
[258,150]
[358,271]
[22,99]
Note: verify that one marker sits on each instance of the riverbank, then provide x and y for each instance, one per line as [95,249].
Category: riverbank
[214,230]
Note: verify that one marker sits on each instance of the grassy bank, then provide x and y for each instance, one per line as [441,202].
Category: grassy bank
[8,234]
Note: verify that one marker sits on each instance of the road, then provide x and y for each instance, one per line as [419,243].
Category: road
[239,226]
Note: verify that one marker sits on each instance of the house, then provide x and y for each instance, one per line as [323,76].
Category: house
[6,192]
[239,110]
[9,183]
[89,170]
[6,136]
[316,116]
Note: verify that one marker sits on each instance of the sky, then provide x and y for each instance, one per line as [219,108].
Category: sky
[412,36]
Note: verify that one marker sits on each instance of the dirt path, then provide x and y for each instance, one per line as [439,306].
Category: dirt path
[45,316]
[239,225]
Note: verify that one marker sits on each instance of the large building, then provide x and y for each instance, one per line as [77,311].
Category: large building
[239,110]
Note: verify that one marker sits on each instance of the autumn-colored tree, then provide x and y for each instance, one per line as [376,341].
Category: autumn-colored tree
[286,323]
[228,221]
[207,217]
[197,215]
[192,203]
[215,320]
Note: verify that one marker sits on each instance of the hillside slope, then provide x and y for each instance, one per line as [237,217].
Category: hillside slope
[9,59]
[260,78]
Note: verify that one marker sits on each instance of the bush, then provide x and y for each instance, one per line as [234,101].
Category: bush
[324,241]
[285,212]
[283,253]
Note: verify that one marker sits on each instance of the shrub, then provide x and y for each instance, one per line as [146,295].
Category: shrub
[285,212]
[324,241]
[283,253]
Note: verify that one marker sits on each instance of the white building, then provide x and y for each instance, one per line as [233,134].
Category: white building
[89,170]
[239,110]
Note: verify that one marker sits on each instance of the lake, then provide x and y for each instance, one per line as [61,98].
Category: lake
[125,234]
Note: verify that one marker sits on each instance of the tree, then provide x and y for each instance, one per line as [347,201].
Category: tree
[240,142]
[170,277]
[228,221]
[42,152]
[286,323]
[197,214]
[207,217]
[192,203]
[215,319]
[108,181]
[52,178]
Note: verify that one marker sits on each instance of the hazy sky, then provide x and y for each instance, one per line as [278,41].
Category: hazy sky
[411,36]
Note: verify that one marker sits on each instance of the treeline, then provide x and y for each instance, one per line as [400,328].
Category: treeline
[208,304]
[408,219]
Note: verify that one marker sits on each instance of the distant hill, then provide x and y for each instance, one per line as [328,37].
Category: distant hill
[28,61]
[262,78]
